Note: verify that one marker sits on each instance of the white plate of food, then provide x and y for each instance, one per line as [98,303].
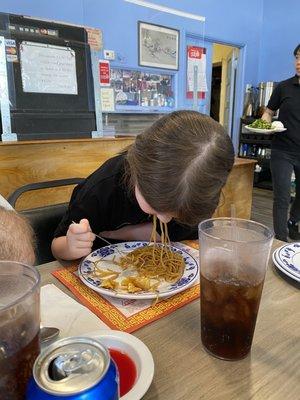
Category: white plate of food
[261,126]
[267,131]
[136,374]
[129,271]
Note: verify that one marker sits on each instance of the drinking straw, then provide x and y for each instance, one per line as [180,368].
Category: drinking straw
[235,235]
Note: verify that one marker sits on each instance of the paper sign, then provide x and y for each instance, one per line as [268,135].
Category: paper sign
[107,99]
[94,38]
[104,73]
[3,76]
[196,56]
[48,69]
[11,50]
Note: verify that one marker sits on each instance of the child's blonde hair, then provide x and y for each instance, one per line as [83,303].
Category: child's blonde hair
[16,237]
[180,165]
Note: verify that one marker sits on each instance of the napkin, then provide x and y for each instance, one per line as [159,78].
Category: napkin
[61,311]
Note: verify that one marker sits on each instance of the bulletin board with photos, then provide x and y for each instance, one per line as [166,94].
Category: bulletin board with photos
[142,89]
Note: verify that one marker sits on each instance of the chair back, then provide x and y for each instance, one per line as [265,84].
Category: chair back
[44,220]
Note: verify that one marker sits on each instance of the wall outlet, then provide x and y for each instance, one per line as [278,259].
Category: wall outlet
[109,54]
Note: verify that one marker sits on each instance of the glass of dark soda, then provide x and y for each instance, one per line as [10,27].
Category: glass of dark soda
[19,327]
[233,259]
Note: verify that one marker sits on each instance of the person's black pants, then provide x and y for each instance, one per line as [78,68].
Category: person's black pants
[282,166]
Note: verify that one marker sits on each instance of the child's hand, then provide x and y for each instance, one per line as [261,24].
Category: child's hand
[80,239]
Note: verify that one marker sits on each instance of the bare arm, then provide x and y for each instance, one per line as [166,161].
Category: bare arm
[60,249]
[79,239]
[131,232]
[77,243]
[268,115]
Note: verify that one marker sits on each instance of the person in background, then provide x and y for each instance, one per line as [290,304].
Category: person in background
[285,153]
[16,238]
[174,170]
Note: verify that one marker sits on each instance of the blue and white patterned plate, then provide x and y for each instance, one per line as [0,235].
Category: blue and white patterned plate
[107,253]
[287,259]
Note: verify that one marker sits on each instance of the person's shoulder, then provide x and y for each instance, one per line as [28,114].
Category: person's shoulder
[107,175]
[286,82]
[109,169]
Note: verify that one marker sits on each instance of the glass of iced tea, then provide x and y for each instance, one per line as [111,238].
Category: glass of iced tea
[233,260]
[19,327]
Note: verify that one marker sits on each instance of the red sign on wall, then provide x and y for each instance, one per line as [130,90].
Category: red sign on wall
[195,56]
[195,52]
[104,72]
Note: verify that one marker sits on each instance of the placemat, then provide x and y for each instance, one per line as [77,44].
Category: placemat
[123,314]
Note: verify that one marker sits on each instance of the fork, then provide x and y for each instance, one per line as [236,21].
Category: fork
[122,253]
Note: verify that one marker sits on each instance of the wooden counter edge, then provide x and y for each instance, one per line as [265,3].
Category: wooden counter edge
[82,140]
[244,161]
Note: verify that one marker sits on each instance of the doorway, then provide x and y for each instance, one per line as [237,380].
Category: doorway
[216,79]
[224,66]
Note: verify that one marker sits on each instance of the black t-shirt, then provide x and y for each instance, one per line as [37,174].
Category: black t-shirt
[106,202]
[286,98]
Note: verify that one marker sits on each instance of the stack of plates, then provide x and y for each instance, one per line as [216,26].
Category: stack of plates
[287,259]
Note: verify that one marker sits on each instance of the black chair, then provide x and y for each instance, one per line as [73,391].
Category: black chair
[44,220]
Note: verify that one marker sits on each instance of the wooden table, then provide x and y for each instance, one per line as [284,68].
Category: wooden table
[184,371]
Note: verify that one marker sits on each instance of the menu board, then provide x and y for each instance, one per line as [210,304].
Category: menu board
[48,69]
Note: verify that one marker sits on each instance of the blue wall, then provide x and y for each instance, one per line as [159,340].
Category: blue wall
[280,34]
[228,21]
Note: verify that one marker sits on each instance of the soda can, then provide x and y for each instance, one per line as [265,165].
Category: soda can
[74,368]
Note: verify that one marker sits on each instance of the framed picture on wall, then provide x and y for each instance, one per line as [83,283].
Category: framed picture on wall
[158,46]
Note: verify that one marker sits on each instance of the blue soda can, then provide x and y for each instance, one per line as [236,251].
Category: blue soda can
[75,368]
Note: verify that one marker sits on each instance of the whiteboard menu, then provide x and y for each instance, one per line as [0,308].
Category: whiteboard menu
[48,69]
